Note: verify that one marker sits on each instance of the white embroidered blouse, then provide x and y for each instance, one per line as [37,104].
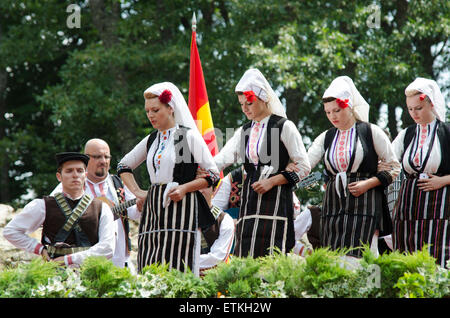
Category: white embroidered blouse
[161,156]
[419,148]
[290,137]
[343,145]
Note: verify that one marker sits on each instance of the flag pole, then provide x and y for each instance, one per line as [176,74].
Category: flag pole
[194,22]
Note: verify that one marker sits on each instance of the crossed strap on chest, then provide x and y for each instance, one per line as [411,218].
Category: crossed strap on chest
[72,216]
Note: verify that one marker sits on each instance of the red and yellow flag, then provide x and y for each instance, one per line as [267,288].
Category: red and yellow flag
[198,99]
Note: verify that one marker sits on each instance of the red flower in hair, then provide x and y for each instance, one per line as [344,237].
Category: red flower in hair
[250,95]
[165,97]
[342,103]
[422,96]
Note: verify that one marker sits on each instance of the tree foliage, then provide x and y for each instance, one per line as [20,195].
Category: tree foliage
[60,86]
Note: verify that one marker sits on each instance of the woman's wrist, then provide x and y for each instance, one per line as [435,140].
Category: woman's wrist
[372,183]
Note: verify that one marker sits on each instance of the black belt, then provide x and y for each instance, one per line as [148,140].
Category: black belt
[416,175]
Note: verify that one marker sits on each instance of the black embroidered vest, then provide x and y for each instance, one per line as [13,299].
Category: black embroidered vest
[278,158]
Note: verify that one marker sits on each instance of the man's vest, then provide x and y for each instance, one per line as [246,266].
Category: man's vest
[84,232]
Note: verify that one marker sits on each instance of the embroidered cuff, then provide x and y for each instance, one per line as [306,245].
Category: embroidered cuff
[291,177]
[38,249]
[68,260]
[121,168]
[384,177]
[212,179]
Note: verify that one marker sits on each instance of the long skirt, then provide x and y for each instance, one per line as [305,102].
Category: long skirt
[265,220]
[348,221]
[422,218]
[168,235]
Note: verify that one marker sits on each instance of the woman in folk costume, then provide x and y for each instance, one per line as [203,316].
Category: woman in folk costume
[265,145]
[354,210]
[422,211]
[174,210]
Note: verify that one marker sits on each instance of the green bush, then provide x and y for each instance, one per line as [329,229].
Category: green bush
[20,281]
[394,265]
[238,278]
[327,273]
[424,284]
[281,275]
[183,285]
[324,273]
[102,277]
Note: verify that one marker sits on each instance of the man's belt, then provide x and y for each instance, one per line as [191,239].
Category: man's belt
[53,250]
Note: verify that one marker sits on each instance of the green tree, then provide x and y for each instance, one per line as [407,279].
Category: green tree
[34,44]
[60,86]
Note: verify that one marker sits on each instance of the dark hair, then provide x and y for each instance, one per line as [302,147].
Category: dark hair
[328,99]
[59,169]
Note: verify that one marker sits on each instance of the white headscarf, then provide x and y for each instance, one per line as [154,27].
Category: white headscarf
[254,80]
[431,89]
[181,110]
[184,117]
[342,87]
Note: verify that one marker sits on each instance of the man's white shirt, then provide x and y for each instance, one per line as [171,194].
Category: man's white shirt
[32,217]
[106,189]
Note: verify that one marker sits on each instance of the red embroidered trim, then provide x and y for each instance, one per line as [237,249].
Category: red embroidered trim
[37,248]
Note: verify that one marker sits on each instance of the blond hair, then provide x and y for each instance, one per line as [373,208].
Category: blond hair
[412,93]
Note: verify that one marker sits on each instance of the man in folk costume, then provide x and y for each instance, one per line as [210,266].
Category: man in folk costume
[227,195]
[307,230]
[74,225]
[422,211]
[353,209]
[109,188]
[265,145]
[174,212]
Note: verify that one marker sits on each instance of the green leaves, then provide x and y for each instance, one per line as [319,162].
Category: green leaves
[65,86]
[394,265]
[19,282]
[324,273]
[102,276]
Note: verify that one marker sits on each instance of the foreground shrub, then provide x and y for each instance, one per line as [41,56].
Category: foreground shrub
[324,273]
[394,265]
[281,275]
[176,284]
[20,281]
[424,284]
[102,277]
[328,274]
[239,278]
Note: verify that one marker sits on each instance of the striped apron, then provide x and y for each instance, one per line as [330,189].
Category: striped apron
[348,221]
[422,218]
[168,235]
[265,220]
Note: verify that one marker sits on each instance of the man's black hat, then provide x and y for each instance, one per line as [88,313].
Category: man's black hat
[67,156]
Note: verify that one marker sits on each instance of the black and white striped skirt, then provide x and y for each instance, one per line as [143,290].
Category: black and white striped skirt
[348,221]
[169,235]
[265,221]
[422,218]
